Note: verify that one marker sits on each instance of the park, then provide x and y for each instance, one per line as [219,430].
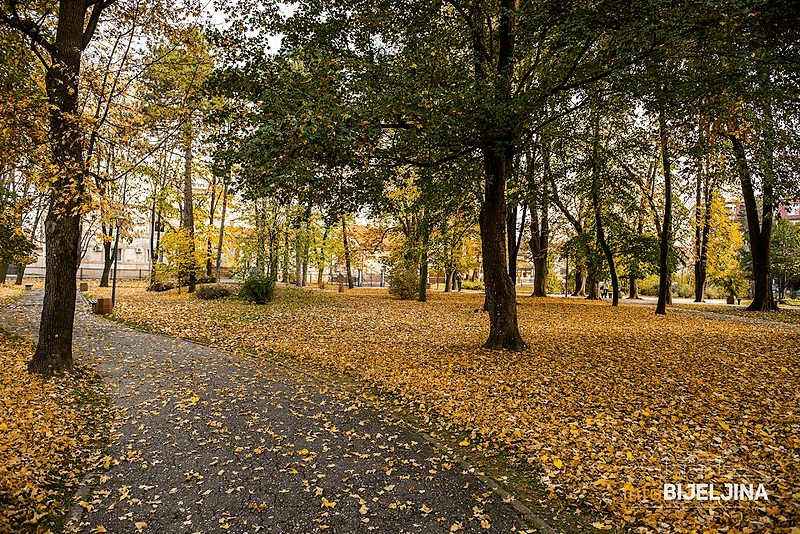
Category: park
[399,266]
[606,406]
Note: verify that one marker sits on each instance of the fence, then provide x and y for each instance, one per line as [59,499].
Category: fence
[90,273]
[362,279]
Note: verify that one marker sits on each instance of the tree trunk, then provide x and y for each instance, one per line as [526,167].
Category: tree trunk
[221,228]
[3,273]
[107,259]
[448,277]
[593,285]
[347,254]
[633,288]
[20,275]
[501,297]
[580,281]
[298,261]
[423,261]
[760,235]
[702,229]
[21,268]
[306,244]
[62,224]
[539,244]
[666,227]
[188,207]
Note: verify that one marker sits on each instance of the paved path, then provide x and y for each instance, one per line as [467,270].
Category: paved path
[209,441]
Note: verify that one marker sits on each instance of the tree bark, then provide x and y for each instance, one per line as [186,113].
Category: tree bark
[501,295]
[62,224]
[702,229]
[633,288]
[422,294]
[539,244]
[107,259]
[760,234]
[188,206]
[347,254]
[666,227]
[221,228]
[498,160]
[580,281]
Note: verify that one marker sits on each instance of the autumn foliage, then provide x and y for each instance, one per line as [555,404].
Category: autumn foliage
[608,403]
[49,434]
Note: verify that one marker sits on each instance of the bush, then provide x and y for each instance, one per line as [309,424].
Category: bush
[477,285]
[212,292]
[686,289]
[206,280]
[404,283]
[258,288]
[159,286]
[649,286]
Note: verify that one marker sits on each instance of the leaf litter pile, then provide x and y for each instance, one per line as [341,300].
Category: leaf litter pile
[50,433]
[608,404]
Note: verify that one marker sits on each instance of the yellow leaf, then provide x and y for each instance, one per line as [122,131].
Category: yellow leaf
[724,425]
[558,463]
[601,526]
[140,525]
[100,528]
[327,503]
[464,443]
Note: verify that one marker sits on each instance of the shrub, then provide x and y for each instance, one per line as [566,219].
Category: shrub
[686,289]
[404,283]
[649,286]
[477,285]
[258,288]
[206,280]
[212,292]
[159,286]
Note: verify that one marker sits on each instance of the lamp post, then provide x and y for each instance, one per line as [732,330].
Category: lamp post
[117,220]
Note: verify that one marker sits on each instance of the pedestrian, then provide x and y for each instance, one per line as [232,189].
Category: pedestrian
[458,281]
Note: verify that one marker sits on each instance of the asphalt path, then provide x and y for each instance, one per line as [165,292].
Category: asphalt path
[205,441]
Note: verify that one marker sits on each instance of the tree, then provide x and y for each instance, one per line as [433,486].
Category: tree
[61,55]
[786,255]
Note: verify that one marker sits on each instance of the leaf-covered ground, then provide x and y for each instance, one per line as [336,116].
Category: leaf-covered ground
[609,404]
[49,433]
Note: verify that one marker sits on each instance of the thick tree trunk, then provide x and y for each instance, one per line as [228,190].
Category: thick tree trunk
[666,227]
[593,288]
[501,296]
[633,288]
[62,224]
[448,277]
[20,275]
[3,273]
[580,281]
[760,235]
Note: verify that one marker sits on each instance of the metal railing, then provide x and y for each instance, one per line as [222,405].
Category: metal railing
[92,273]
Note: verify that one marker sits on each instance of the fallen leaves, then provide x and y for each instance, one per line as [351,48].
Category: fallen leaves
[48,439]
[609,403]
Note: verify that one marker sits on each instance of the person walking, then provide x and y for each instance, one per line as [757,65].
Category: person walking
[458,281]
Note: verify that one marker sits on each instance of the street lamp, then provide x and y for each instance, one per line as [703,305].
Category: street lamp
[117,221]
